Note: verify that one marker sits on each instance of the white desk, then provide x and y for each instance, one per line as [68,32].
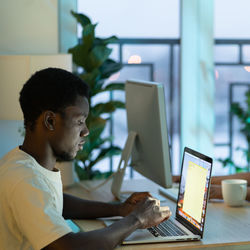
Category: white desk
[225,227]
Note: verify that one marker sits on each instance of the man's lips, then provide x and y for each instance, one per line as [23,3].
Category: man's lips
[82,142]
[80,145]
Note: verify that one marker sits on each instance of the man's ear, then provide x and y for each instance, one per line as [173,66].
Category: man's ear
[49,120]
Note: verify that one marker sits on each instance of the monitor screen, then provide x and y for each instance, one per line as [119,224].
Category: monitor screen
[146,116]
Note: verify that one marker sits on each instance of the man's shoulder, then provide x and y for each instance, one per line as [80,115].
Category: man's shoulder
[15,166]
[16,158]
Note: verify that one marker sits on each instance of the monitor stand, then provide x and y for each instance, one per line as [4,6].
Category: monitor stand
[119,175]
[170,193]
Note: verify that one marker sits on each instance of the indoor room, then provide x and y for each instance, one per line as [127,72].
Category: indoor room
[166,112]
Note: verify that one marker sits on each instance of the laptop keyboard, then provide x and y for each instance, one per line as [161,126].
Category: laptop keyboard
[166,228]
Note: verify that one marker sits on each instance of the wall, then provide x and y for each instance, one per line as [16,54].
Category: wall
[32,27]
[29,27]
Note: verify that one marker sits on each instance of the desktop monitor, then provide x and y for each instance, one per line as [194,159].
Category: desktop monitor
[147,142]
[146,116]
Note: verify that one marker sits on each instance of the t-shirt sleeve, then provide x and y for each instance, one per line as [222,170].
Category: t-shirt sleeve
[35,212]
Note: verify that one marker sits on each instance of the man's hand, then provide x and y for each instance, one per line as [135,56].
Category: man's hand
[150,213]
[131,203]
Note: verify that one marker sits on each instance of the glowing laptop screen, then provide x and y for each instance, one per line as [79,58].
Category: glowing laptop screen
[193,193]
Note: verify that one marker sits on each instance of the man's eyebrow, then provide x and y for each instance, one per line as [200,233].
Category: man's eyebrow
[82,114]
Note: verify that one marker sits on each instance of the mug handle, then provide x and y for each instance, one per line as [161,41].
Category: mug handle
[242,187]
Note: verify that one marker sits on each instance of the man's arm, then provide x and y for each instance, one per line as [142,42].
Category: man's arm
[76,208]
[147,213]
[106,238]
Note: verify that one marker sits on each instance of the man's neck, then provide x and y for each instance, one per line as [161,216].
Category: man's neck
[39,151]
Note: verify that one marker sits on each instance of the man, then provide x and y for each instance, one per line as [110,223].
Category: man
[32,206]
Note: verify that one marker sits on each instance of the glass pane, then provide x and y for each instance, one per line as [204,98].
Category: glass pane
[134,71]
[239,142]
[134,18]
[224,76]
[158,57]
[231,19]
[156,64]
[220,152]
[246,53]
[115,52]
[226,53]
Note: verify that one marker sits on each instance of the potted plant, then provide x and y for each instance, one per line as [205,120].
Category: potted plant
[243,114]
[91,55]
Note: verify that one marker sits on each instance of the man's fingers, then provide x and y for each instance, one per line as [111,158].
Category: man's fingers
[166,212]
[138,196]
[157,202]
[165,208]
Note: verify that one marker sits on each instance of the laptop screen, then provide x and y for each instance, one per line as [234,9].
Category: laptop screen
[194,187]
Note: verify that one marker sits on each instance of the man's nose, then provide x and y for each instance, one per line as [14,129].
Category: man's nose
[84,132]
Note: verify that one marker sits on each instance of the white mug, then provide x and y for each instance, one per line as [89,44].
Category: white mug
[234,192]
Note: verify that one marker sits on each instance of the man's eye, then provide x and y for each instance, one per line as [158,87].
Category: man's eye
[81,122]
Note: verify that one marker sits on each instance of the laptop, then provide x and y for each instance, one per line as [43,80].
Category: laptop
[189,221]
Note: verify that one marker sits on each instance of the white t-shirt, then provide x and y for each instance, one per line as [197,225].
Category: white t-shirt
[31,203]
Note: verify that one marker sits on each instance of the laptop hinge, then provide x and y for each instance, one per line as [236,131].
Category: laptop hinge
[189,226]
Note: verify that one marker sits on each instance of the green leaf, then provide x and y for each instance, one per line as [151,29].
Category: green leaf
[96,126]
[105,41]
[237,110]
[91,79]
[81,51]
[98,55]
[79,55]
[96,144]
[83,155]
[248,99]
[104,153]
[101,175]
[226,162]
[114,86]
[80,172]
[88,36]
[88,173]
[97,88]
[81,18]
[241,169]
[108,88]
[108,107]
[109,67]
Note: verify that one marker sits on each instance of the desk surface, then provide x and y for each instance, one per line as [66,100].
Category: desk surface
[225,227]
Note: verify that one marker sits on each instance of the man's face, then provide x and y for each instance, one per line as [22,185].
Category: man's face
[70,130]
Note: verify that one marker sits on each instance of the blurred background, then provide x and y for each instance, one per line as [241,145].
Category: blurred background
[150,37]
[149,48]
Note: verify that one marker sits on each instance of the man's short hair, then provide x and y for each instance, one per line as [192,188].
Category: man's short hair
[50,89]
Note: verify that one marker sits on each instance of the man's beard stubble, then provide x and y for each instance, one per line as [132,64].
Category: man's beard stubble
[63,156]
